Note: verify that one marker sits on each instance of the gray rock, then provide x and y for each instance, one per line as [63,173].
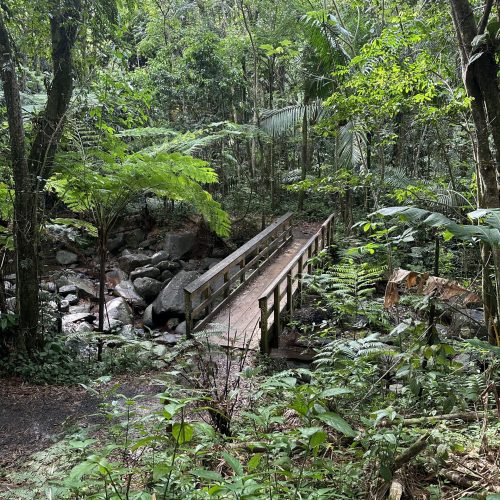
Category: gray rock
[81,308]
[75,317]
[64,306]
[115,243]
[166,276]
[48,286]
[86,287]
[115,277]
[220,253]
[468,323]
[148,288]
[134,238]
[71,299]
[168,265]
[66,258]
[168,339]
[147,317]
[170,301]
[129,261]
[68,290]
[70,321]
[192,265]
[128,332]
[118,313]
[127,291]
[172,323]
[179,244]
[84,328]
[145,272]
[159,257]
[181,328]
[146,244]
[11,304]
[209,262]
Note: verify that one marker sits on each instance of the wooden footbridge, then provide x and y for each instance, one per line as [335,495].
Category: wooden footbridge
[247,296]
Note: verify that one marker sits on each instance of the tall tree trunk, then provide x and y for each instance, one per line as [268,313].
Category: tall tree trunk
[305,154]
[27,170]
[479,72]
[26,262]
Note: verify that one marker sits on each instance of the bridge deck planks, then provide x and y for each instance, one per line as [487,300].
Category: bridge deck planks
[242,314]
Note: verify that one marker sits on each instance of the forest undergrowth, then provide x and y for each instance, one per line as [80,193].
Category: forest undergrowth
[384,409]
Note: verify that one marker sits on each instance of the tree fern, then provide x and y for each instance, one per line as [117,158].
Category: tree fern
[368,347]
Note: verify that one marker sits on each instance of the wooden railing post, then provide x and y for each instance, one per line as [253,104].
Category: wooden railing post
[189,316]
[289,293]
[264,333]
[300,272]
[242,267]
[226,280]
[277,311]
[309,255]
[323,243]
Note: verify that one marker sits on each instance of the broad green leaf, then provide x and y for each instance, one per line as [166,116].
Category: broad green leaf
[334,391]
[207,474]
[182,432]
[319,437]
[336,422]
[254,462]
[234,463]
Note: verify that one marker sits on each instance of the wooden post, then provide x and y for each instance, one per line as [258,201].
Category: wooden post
[300,271]
[226,280]
[309,255]
[277,312]
[264,332]
[189,317]
[323,242]
[206,295]
[242,266]
[289,292]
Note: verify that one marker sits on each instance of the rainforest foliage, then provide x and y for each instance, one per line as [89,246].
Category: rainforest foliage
[220,113]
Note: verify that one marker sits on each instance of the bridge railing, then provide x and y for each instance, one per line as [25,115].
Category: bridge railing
[280,294]
[211,291]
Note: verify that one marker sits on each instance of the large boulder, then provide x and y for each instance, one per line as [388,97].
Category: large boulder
[118,313]
[130,261]
[145,272]
[170,301]
[86,288]
[127,291]
[66,258]
[179,244]
[148,288]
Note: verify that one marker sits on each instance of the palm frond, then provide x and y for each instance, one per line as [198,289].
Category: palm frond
[286,120]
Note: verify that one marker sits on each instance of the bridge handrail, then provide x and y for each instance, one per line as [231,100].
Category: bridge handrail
[292,275]
[265,244]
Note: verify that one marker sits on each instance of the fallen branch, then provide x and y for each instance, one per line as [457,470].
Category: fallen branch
[465,416]
[411,452]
